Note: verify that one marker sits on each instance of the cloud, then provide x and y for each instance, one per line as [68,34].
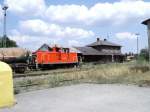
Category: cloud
[126,35]
[103,12]
[26,7]
[41,28]
[38,32]
[70,24]
[131,0]
[74,43]
[116,13]
[67,13]
[31,42]
[1,13]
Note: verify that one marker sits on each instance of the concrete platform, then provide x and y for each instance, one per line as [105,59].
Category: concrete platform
[84,98]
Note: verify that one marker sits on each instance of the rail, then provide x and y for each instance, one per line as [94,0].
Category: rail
[41,73]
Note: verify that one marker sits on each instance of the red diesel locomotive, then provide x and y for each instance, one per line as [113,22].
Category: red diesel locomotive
[47,56]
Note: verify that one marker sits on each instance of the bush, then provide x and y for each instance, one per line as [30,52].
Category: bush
[144,55]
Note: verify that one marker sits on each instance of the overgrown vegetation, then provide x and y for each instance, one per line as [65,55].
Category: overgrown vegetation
[123,73]
[144,55]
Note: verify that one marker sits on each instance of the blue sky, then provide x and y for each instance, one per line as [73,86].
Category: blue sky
[75,22]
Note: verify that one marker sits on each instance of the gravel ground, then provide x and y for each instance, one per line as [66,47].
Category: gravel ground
[84,98]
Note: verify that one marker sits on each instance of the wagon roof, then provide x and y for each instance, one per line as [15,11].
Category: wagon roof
[12,52]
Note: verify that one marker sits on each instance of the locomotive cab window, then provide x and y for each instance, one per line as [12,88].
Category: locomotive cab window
[50,49]
[57,49]
[66,50]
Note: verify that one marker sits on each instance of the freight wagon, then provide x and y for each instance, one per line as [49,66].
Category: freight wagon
[15,57]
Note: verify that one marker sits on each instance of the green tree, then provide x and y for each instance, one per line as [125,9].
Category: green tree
[144,55]
[9,42]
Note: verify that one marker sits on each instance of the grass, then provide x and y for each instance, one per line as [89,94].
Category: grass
[120,73]
[127,73]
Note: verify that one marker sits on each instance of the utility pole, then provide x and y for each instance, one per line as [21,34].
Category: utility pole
[4,8]
[137,36]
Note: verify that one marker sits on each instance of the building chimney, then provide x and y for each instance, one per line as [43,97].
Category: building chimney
[98,39]
[105,39]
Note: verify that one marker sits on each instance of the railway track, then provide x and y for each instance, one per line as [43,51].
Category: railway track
[41,73]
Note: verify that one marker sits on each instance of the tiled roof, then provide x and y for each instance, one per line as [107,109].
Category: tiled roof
[88,50]
[101,42]
[92,51]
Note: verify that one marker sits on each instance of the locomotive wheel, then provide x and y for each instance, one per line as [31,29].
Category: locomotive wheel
[20,70]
